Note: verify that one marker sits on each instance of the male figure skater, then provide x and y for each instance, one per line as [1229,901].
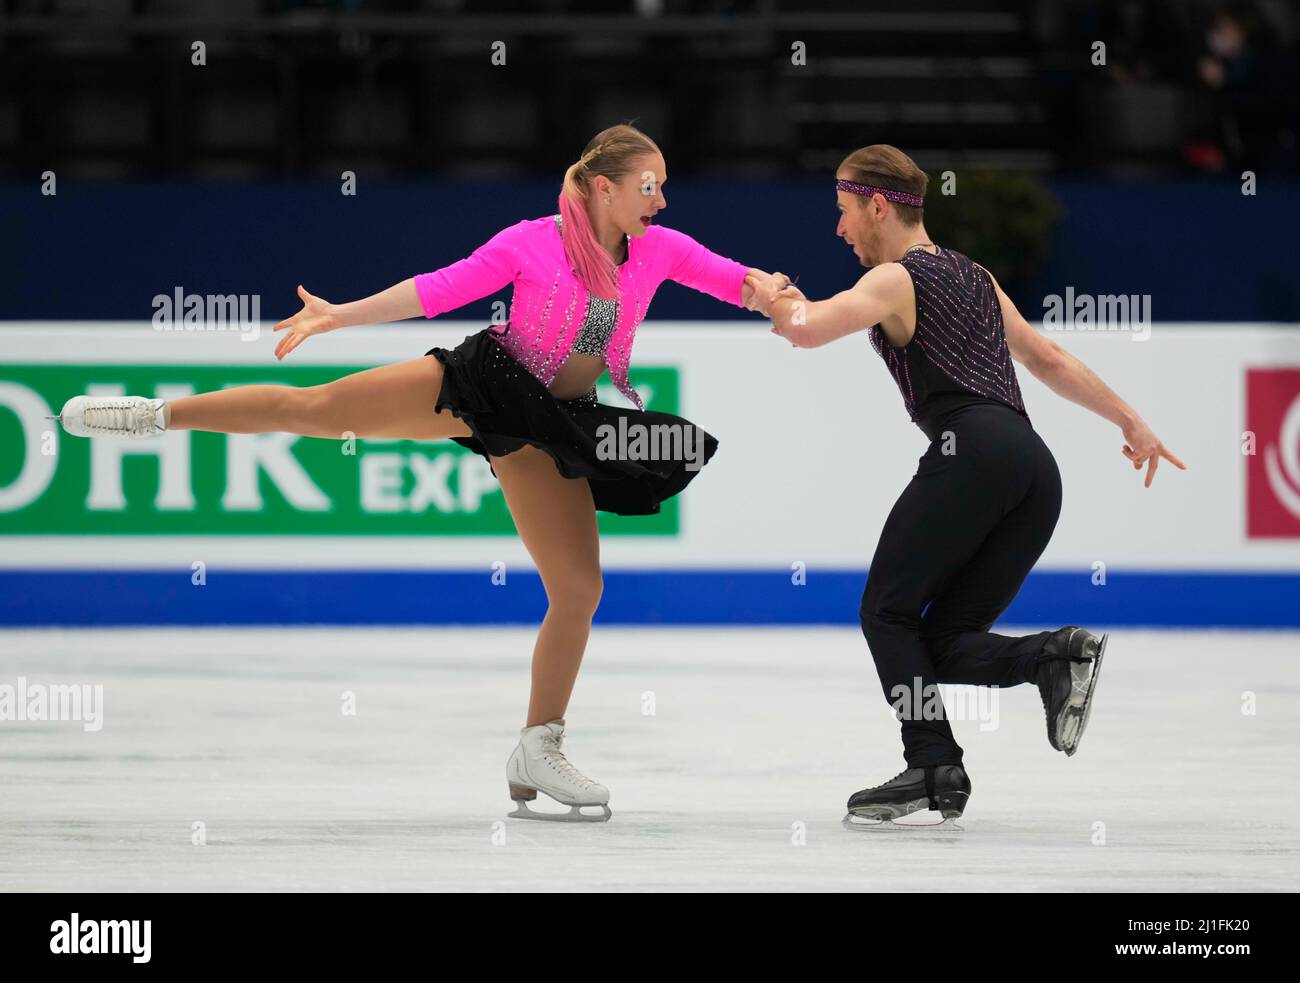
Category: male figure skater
[984,501]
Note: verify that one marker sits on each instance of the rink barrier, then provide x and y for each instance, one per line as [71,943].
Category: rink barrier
[94,598]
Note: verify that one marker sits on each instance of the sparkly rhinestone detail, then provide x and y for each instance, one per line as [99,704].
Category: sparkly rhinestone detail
[889,194]
[598,328]
[960,343]
[586,401]
[552,314]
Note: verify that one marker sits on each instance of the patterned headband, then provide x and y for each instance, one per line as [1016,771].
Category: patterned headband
[867,190]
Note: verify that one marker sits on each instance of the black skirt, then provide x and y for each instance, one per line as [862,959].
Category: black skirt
[633,459]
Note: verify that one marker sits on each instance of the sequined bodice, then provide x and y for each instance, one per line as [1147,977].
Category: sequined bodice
[959,347]
[599,323]
[550,307]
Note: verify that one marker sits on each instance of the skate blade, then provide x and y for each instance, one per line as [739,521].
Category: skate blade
[1078,710]
[905,825]
[574,815]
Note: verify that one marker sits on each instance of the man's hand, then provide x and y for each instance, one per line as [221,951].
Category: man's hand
[1144,447]
[788,309]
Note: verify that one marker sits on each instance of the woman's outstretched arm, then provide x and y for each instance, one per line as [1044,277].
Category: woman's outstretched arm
[397,303]
[695,266]
[483,272]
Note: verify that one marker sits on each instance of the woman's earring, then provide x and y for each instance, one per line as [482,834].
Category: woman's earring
[606,200]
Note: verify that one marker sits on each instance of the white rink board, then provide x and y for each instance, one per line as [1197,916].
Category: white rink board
[814,448]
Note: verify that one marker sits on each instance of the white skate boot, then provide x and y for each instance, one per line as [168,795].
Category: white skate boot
[538,765]
[114,416]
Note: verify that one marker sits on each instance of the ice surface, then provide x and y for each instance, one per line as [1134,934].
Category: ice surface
[736,780]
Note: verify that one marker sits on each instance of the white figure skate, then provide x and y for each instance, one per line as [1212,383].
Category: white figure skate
[129,417]
[538,765]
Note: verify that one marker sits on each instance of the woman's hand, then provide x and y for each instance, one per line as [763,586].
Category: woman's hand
[1144,447]
[316,317]
[754,278]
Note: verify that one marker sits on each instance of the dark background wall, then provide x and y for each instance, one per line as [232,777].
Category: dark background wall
[1202,250]
[1098,144]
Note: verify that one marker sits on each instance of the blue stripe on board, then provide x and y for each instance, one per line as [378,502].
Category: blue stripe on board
[30,598]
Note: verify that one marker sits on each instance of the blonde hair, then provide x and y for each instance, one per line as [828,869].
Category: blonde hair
[883,166]
[610,154]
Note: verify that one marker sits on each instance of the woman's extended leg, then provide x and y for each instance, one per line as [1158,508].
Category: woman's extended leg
[556,520]
[392,401]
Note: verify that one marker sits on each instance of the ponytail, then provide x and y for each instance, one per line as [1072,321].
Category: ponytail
[586,255]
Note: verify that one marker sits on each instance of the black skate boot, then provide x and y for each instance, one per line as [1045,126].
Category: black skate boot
[1067,678]
[940,788]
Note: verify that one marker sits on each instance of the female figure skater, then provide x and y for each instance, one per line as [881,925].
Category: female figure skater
[524,397]
[986,495]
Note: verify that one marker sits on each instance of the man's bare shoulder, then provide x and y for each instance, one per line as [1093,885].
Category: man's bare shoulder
[886,278]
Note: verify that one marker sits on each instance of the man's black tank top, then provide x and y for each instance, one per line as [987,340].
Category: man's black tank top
[959,353]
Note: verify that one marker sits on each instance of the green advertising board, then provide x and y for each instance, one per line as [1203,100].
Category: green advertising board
[193,483]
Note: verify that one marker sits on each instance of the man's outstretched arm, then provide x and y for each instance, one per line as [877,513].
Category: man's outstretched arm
[810,324]
[1068,377]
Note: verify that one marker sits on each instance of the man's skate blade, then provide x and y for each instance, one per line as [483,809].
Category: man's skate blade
[1077,716]
[574,815]
[906,825]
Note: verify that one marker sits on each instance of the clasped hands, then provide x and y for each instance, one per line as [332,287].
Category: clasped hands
[764,292]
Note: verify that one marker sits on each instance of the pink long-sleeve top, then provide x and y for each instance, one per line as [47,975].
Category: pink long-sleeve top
[549,304]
